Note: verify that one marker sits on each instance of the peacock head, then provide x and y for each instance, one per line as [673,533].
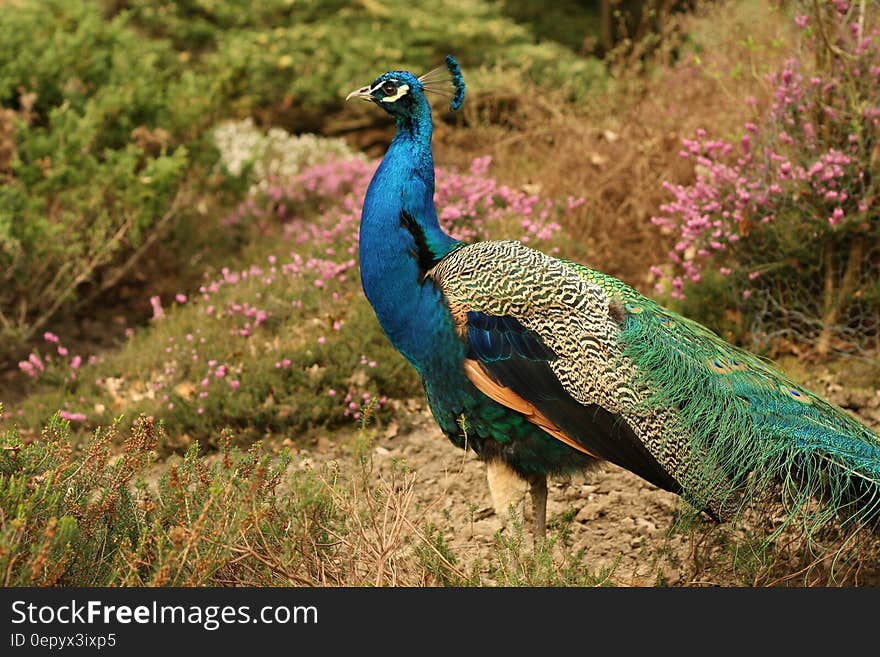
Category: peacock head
[400,92]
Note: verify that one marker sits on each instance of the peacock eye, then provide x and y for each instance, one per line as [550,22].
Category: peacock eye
[389,88]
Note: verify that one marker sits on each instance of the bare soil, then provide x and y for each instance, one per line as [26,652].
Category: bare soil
[620,521]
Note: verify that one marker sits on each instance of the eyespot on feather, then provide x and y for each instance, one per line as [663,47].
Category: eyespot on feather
[457,81]
[734,364]
[795,394]
[717,366]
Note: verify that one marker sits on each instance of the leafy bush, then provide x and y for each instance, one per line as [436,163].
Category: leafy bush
[292,62]
[95,161]
[790,213]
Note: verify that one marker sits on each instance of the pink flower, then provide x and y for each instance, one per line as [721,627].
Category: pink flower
[72,417]
[180,298]
[50,337]
[234,384]
[156,303]
[836,217]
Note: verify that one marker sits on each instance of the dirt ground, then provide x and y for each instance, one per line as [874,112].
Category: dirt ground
[622,522]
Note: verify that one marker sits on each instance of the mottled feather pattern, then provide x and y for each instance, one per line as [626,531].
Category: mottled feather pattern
[710,413]
[571,313]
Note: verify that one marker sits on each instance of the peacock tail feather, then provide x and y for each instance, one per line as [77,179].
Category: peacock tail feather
[762,429]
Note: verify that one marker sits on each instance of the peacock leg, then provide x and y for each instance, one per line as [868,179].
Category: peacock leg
[508,491]
[538,489]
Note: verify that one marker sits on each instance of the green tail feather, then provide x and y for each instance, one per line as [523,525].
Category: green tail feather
[751,428]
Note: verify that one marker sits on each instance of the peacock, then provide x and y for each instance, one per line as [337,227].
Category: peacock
[543,366]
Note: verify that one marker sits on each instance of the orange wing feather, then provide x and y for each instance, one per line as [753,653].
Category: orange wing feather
[507,397]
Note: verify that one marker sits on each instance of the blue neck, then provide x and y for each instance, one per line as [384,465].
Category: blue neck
[392,254]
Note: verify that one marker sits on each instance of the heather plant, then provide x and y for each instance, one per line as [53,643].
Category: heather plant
[108,515]
[106,512]
[788,214]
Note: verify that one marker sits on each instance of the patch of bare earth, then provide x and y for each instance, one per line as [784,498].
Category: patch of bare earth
[620,521]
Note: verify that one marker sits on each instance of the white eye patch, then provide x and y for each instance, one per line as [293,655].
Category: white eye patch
[402,90]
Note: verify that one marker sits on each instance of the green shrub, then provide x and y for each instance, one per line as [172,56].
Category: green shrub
[97,160]
[292,62]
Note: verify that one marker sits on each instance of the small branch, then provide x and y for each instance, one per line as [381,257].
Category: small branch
[86,271]
[836,299]
[151,239]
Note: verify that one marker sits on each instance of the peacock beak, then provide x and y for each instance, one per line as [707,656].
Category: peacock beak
[363,92]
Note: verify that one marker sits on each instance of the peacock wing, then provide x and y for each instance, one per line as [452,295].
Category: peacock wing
[541,341]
